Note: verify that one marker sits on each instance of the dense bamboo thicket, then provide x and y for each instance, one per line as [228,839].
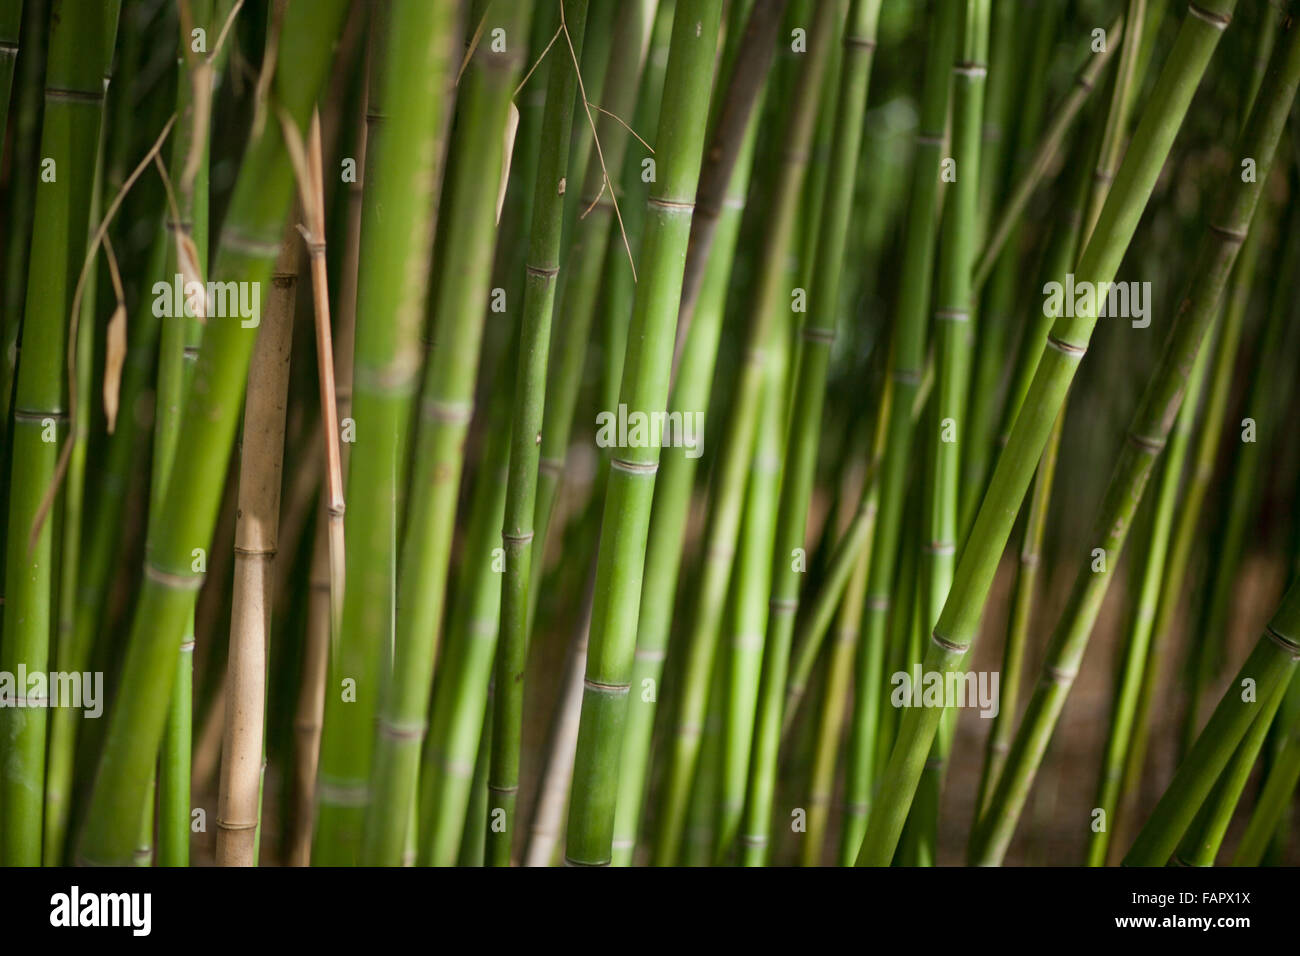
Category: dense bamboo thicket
[649,432]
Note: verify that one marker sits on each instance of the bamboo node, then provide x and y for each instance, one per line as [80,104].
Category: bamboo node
[952,315]
[878,603]
[87,97]
[517,539]
[343,794]
[551,466]
[824,336]
[1065,347]
[401,730]
[543,272]
[954,647]
[648,654]
[929,139]
[1284,642]
[783,605]
[1059,675]
[1231,235]
[1216,20]
[451,413]
[250,246]
[861,43]
[613,690]
[1153,445]
[634,467]
[940,547]
[181,582]
[671,205]
[973,70]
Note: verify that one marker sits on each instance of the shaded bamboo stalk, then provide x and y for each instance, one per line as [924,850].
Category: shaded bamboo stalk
[256,538]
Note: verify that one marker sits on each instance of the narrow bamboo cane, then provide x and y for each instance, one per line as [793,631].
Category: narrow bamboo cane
[1063,116]
[11,19]
[81,43]
[1272,663]
[247,249]
[953,310]
[1146,438]
[261,457]
[1206,649]
[403,177]
[541,271]
[1067,342]
[679,144]
[805,415]
[690,396]
[832,712]
[1274,799]
[597,233]
[321,623]
[21,200]
[1200,844]
[907,361]
[1125,711]
[736,105]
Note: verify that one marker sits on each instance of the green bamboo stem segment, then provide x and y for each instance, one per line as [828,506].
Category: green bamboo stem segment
[1274,799]
[954,308]
[517,534]
[1126,707]
[595,235]
[1272,663]
[11,20]
[805,415]
[907,363]
[1067,343]
[1063,116]
[689,398]
[630,489]
[1146,438]
[1200,844]
[261,458]
[248,246]
[81,44]
[403,162]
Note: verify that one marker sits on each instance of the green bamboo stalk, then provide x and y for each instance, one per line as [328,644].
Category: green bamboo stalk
[178,351]
[1200,844]
[21,200]
[81,43]
[402,180]
[1063,116]
[1272,663]
[11,19]
[1067,343]
[541,273]
[1126,707]
[1207,646]
[953,315]
[907,361]
[831,717]
[595,235]
[249,242]
[749,608]
[1274,798]
[621,555]
[805,417]
[1147,435]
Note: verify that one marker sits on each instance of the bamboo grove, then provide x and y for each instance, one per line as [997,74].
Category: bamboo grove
[649,432]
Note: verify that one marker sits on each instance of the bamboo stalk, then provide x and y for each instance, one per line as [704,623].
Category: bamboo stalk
[404,163]
[541,271]
[630,489]
[243,760]
[81,41]
[1067,343]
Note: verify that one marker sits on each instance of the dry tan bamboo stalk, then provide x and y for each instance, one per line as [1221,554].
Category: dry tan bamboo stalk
[261,460]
